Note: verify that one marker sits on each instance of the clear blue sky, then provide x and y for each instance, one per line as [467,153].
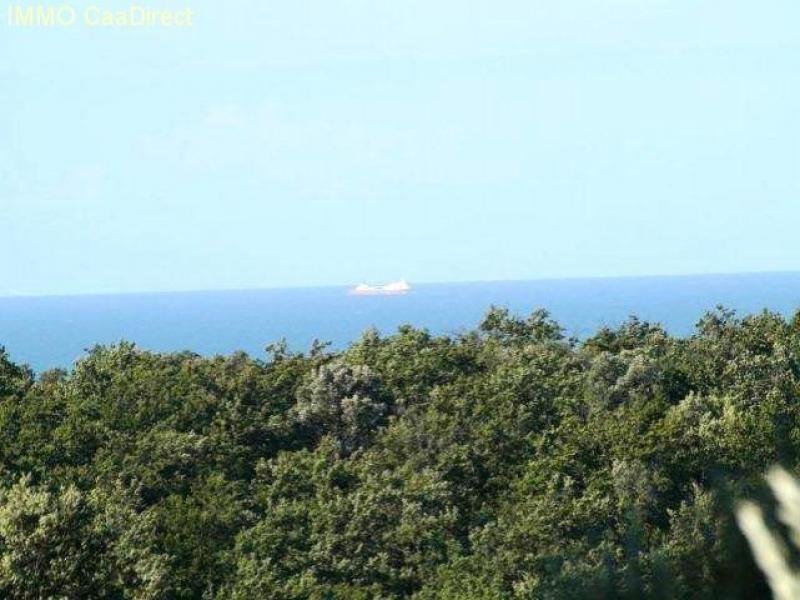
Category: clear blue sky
[329,142]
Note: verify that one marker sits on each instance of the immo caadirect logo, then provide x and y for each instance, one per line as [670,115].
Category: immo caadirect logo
[67,15]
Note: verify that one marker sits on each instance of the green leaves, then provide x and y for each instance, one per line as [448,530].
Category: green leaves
[505,462]
[343,401]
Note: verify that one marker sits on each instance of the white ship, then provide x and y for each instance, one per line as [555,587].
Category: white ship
[390,289]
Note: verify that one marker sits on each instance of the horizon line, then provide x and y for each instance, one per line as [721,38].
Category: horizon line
[423,283]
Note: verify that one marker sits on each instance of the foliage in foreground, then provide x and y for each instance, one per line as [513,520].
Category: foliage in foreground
[506,462]
[769,547]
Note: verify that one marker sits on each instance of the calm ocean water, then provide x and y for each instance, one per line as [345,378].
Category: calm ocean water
[53,331]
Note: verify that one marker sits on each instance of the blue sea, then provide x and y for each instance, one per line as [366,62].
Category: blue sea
[54,331]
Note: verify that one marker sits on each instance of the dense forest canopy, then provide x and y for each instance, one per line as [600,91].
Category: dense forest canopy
[505,462]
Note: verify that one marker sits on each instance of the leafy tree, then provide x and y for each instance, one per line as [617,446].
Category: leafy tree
[504,462]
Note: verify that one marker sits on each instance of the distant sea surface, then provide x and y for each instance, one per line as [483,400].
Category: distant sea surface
[54,331]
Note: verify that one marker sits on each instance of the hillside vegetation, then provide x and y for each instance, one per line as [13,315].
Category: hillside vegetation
[505,462]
